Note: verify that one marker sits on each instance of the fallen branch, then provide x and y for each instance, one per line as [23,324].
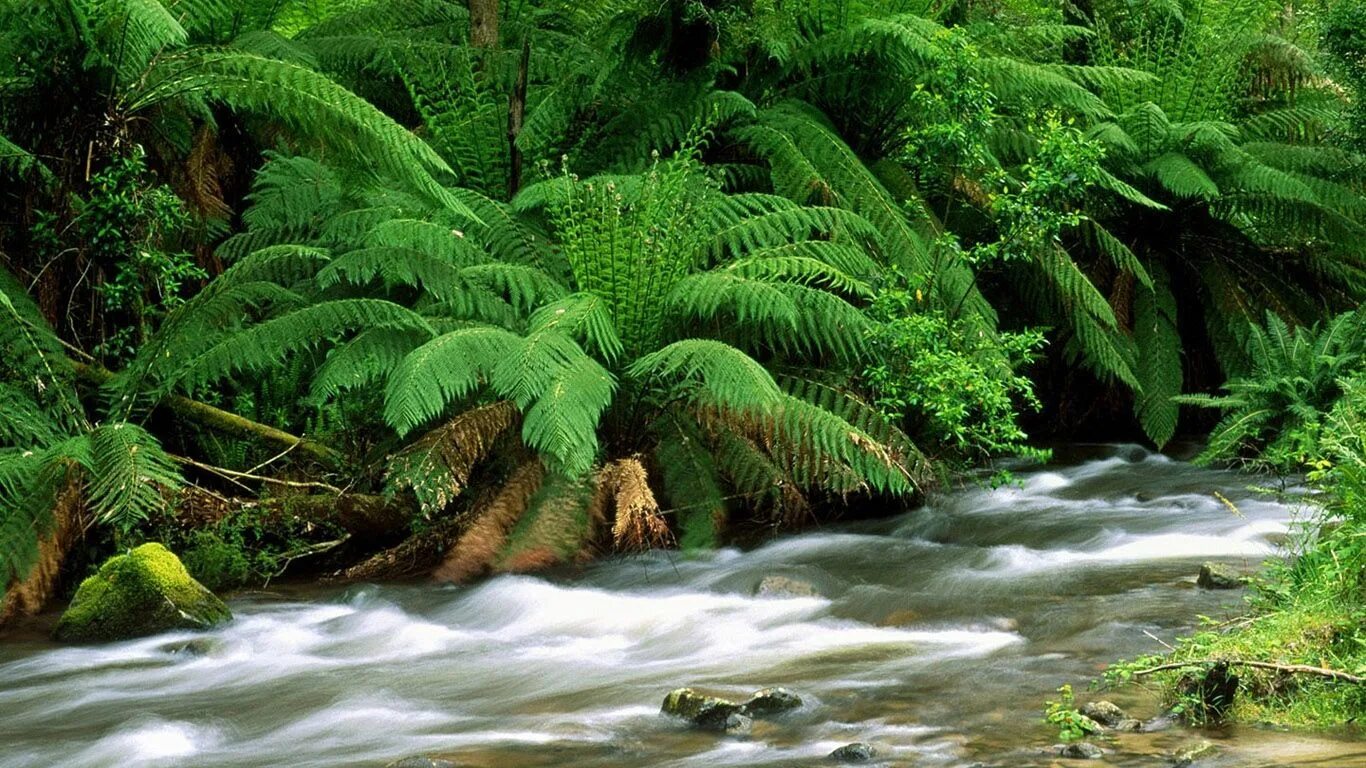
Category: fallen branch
[233,474]
[1297,669]
[221,420]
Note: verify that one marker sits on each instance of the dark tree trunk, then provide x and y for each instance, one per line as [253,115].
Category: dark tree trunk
[516,113]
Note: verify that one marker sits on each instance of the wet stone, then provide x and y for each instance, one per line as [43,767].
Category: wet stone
[772,701]
[1080,750]
[1129,725]
[707,712]
[858,752]
[1104,712]
[1216,576]
[782,586]
[731,723]
[1187,756]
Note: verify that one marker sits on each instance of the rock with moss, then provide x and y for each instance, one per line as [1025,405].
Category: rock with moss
[1080,750]
[708,713]
[144,592]
[1218,576]
[1104,712]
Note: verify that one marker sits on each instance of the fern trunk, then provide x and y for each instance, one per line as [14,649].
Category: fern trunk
[484,23]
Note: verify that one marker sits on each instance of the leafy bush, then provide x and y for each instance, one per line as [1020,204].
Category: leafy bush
[948,385]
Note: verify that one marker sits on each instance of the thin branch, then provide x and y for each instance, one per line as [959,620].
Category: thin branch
[234,474]
[1298,669]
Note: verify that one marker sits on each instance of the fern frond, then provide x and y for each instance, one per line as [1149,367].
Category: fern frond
[308,103]
[437,466]
[727,375]
[692,485]
[443,370]
[130,475]
[1158,346]
[266,344]
[475,551]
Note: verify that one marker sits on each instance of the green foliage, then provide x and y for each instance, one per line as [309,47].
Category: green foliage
[948,385]
[128,224]
[1274,417]
[798,231]
[1062,714]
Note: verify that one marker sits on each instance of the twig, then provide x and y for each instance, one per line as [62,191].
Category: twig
[312,549]
[233,474]
[1298,669]
[1164,644]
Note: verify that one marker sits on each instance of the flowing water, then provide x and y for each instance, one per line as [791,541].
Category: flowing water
[935,635]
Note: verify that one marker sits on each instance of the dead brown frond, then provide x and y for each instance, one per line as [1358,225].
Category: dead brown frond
[437,467]
[474,552]
[205,168]
[530,560]
[553,531]
[1122,300]
[639,525]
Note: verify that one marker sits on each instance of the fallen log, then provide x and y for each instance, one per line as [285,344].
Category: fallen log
[221,420]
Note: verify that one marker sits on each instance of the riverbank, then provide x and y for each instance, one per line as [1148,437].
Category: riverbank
[934,635]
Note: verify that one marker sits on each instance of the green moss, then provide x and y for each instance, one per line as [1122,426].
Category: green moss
[216,562]
[141,593]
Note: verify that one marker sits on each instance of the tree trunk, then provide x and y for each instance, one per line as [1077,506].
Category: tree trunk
[516,113]
[484,23]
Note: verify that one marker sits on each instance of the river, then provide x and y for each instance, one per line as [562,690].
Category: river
[935,635]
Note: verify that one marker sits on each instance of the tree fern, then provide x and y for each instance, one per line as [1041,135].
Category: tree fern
[307,102]
[1158,346]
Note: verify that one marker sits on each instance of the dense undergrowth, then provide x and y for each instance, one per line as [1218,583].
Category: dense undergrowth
[382,288]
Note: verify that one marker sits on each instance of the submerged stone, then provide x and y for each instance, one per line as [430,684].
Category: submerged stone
[771,701]
[1217,576]
[1186,756]
[144,592]
[782,586]
[421,762]
[1081,750]
[1104,712]
[858,752]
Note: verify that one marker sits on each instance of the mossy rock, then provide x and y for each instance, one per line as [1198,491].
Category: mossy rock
[144,592]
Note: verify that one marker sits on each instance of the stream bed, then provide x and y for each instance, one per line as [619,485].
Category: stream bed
[935,635]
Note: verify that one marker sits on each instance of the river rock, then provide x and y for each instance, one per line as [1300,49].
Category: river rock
[1186,756]
[858,752]
[782,586]
[1217,576]
[1104,712]
[771,701]
[1129,725]
[707,712]
[729,723]
[144,592]
[1080,750]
